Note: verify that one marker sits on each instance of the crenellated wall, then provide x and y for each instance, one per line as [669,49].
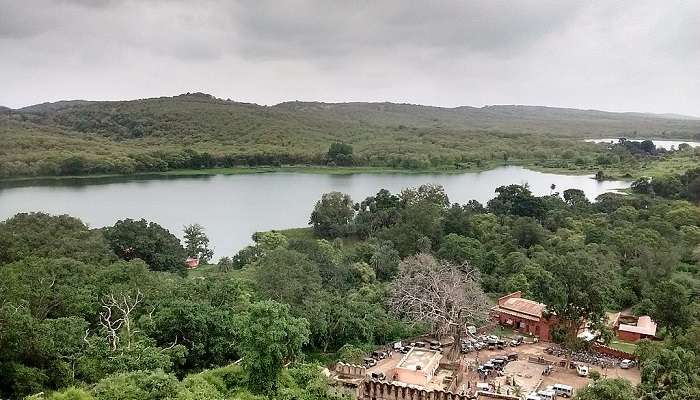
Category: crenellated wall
[350,370]
[377,390]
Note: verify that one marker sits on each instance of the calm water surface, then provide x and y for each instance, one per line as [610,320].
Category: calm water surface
[233,207]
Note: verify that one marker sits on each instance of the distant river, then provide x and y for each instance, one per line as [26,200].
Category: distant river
[233,207]
[665,144]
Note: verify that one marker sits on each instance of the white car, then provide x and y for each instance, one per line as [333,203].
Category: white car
[582,370]
[562,390]
[625,364]
[547,394]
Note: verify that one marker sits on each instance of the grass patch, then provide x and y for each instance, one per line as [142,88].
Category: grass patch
[622,346]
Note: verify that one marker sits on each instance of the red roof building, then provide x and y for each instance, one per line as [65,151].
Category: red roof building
[633,329]
[192,262]
[524,315]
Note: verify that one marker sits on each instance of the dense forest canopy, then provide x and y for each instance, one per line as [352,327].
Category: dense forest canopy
[112,314]
[196,131]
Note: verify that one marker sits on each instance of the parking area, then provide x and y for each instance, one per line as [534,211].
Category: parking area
[527,373]
[524,370]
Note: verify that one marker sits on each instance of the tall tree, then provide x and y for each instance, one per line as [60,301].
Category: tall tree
[197,243]
[332,215]
[152,243]
[269,336]
[671,305]
[440,294]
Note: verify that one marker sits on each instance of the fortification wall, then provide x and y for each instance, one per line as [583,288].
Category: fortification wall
[376,390]
[350,370]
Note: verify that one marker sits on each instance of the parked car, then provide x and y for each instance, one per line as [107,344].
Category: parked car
[512,356]
[533,396]
[582,370]
[626,364]
[498,363]
[483,387]
[405,349]
[378,375]
[517,341]
[370,362]
[547,394]
[420,344]
[563,390]
[379,355]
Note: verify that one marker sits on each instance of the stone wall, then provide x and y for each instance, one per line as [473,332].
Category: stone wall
[350,370]
[377,390]
[609,351]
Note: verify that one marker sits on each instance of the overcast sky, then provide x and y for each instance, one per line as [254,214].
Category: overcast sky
[613,55]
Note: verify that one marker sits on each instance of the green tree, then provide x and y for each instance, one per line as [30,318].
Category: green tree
[340,154]
[269,336]
[332,215]
[669,372]
[300,276]
[44,235]
[516,200]
[152,243]
[351,354]
[671,305]
[225,264]
[607,389]
[147,385]
[385,261]
[459,249]
[528,232]
[197,243]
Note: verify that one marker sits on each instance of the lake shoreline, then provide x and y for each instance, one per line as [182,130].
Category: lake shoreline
[304,169]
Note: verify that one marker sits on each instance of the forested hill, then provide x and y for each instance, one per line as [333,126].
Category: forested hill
[199,131]
[192,114]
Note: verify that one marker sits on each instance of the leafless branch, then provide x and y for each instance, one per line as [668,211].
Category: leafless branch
[445,296]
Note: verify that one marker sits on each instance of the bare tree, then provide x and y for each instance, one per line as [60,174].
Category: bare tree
[116,315]
[445,296]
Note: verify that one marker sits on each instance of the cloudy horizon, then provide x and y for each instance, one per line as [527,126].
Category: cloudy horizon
[640,56]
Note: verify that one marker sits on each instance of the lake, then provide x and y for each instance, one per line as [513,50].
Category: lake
[665,144]
[233,207]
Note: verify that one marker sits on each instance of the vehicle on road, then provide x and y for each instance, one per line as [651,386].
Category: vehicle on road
[626,364]
[370,362]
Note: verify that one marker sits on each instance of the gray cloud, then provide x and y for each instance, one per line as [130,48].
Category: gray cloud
[640,55]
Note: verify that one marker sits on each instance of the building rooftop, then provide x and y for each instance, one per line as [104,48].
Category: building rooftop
[515,303]
[645,326]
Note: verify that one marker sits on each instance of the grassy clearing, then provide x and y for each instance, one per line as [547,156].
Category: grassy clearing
[622,346]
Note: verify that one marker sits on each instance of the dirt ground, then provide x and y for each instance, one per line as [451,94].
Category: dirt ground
[527,375]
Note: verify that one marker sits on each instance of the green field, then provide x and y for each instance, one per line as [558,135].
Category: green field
[622,346]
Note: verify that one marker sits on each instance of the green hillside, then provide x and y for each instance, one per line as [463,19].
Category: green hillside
[200,131]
